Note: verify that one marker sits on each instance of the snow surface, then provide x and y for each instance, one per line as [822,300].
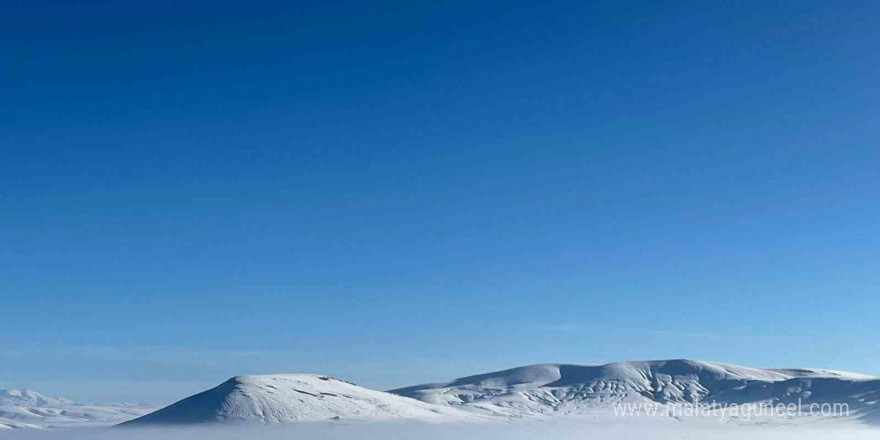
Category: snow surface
[20,409]
[284,398]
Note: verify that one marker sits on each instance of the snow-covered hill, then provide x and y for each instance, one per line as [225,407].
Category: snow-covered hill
[558,389]
[532,392]
[288,398]
[24,408]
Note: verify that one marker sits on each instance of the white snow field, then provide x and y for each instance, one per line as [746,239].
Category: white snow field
[285,398]
[24,408]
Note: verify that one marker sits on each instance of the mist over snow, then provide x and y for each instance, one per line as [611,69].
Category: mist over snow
[622,429]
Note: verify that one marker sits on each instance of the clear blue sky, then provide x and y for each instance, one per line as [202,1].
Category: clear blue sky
[401,192]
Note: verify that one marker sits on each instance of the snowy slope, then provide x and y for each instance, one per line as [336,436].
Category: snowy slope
[558,389]
[288,398]
[21,409]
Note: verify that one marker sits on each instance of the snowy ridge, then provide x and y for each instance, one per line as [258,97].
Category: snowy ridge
[26,397]
[286,398]
[26,409]
[559,389]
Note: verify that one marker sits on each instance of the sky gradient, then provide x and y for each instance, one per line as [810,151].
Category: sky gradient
[404,192]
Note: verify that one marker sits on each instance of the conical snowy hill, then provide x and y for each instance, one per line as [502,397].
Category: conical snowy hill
[286,398]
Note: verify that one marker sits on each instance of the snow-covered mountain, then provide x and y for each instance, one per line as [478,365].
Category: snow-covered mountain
[29,409]
[532,392]
[559,389]
[26,397]
[288,398]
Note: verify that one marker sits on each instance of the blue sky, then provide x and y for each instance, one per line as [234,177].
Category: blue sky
[401,192]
